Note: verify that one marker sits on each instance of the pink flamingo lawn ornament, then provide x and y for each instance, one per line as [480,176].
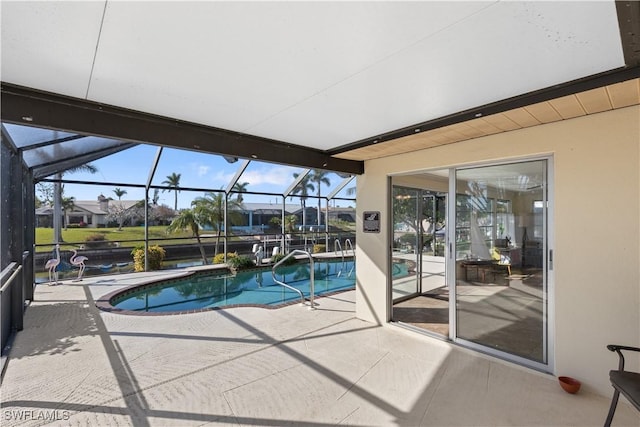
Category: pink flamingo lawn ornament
[52,264]
[78,261]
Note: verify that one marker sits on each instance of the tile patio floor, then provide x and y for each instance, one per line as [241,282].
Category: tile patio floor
[75,365]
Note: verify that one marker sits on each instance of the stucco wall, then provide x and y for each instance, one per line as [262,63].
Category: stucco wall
[596,220]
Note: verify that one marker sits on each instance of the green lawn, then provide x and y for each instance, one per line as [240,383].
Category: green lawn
[127,237]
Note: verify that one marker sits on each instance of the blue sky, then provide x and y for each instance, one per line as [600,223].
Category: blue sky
[198,170]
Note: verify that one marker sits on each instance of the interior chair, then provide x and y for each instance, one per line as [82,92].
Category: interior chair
[625,382]
[501,261]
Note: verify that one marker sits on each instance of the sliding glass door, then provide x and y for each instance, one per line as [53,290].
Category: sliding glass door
[500,238]
[482,280]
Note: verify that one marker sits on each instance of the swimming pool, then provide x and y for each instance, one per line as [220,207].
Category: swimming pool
[210,290]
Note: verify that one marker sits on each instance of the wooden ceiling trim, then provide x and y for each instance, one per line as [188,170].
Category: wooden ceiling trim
[568,107]
[522,117]
[624,94]
[453,133]
[595,100]
[544,112]
[484,126]
[467,131]
[502,122]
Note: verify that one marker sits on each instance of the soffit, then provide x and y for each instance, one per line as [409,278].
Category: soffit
[593,101]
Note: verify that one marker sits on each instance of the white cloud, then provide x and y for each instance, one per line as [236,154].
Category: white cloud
[203,170]
[268,175]
[222,178]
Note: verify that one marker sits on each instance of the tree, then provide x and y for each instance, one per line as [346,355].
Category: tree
[68,203]
[187,220]
[173,181]
[209,211]
[240,187]
[303,189]
[45,191]
[405,208]
[119,213]
[56,197]
[119,193]
[161,214]
[53,194]
[319,177]
[290,223]
[405,211]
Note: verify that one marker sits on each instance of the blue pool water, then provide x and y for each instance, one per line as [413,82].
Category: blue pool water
[253,287]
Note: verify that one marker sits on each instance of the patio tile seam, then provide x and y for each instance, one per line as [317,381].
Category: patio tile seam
[364,374]
[427,407]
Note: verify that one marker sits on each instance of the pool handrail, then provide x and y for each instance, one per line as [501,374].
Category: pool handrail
[348,243]
[311,276]
[337,243]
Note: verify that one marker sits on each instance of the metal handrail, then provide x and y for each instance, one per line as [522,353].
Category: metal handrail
[6,271]
[348,243]
[337,242]
[311,277]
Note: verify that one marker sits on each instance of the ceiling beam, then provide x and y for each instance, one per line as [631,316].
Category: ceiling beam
[27,106]
[629,23]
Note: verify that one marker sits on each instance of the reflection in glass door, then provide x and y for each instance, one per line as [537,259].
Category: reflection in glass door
[419,292]
[500,236]
[405,260]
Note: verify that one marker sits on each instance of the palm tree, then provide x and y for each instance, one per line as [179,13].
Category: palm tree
[57,198]
[319,176]
[209,210]
[68,203]
[173,181]
[303,189]
[240,187]
[187,220]
[119,193]
[290,223]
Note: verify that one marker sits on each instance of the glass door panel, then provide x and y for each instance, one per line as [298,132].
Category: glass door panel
[419,291]
[500,238]
[405,256]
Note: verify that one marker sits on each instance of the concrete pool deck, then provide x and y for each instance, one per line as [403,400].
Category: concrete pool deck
[76,365]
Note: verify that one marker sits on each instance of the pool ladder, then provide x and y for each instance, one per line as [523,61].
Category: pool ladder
[347,244]
[312,305]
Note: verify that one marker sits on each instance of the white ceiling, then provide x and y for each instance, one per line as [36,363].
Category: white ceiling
[316,74]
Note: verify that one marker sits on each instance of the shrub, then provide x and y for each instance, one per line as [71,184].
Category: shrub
[409,238]
[219,259]
[319,248]
[276,258]
[95,237]
[156,256]
[96,240]
[240,261]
